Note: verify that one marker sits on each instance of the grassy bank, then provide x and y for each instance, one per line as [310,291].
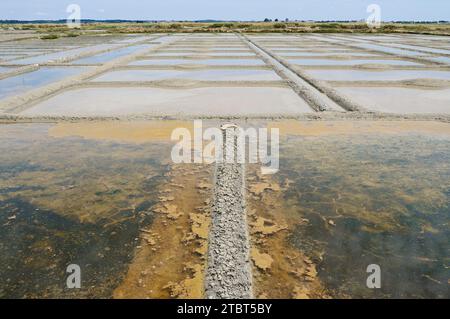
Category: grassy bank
[249,27]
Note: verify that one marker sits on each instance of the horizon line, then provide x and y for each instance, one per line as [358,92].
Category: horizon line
[215,20]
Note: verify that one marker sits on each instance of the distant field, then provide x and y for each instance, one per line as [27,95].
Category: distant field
[60,29]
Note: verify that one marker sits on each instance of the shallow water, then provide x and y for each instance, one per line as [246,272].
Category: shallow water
[24,82]
[135,38]
[443,59]
[180,45]
[197,101]
[199,62]
[203,75]
[379,37]
[400,100]
[325,50]
[204,50]
[10,57]
[303,53]
[180,54]
[72,200]
[388,49]
[5,69]
[62,55]
[422,48]
[357,75]
[348,62]
[366,193]
[108,56]
[249,53]
[105,196]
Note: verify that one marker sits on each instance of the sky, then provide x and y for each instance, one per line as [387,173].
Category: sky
[248,10]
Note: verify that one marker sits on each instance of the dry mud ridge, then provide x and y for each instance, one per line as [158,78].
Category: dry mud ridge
[228,273]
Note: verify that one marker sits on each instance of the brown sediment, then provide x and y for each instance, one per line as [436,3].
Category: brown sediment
[91,198]
[170,259]
[264,226]
[171,262]
[345,200]
[261,261]
[121,131]
[257,189]
[324,128]
[280,270]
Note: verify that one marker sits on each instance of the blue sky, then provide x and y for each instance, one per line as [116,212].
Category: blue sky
[227,9]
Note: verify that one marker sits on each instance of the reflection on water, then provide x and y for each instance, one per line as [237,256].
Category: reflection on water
[37,245]
[208,75]
[108,56]
[370,198]
[23,82]
[102,195]
[348,62]
[203,61]
[72,200]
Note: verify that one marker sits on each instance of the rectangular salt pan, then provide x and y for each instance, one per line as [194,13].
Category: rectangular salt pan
[157,101]
[203,75]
